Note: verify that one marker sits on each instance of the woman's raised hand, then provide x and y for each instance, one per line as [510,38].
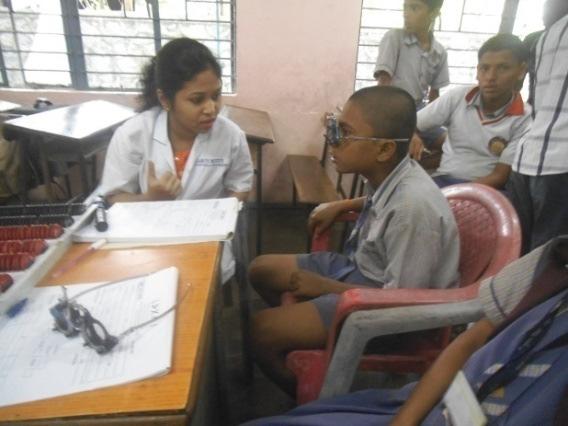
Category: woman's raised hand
[165,187]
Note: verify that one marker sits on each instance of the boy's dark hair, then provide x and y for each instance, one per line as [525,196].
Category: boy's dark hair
[390,111]
[434,4]
[505,42]
[176,63]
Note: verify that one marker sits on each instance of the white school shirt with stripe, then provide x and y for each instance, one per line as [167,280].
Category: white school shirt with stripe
[219,162]
[466,153]
[410,67]
[544,150]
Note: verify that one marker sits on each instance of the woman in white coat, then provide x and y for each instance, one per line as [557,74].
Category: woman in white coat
[178,147]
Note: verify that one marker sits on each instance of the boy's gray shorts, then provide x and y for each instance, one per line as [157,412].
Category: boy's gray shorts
[338,267]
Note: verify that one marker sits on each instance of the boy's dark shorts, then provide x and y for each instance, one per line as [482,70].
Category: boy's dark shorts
[338,267]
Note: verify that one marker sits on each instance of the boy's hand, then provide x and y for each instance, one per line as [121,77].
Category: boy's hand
[307,285]
[166,187]
[416,147]
[323,216]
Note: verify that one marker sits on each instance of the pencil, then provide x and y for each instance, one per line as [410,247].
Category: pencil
[71,263]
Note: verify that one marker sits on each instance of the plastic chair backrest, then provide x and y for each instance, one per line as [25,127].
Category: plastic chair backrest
[486,223]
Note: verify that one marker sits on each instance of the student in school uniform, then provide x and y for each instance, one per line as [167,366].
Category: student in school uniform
[514,359]
[485,122]
[539,181]
[179,147]
[406,235]
[412,59]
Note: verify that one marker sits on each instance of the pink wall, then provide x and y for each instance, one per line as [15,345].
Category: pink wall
[295,60]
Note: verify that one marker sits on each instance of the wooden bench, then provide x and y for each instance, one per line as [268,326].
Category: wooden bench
[312,185]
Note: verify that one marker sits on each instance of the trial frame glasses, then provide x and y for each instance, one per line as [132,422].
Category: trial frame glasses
[72,319]
[335,138]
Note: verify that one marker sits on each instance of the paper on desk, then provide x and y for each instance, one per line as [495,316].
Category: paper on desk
[167,221]
[38,363]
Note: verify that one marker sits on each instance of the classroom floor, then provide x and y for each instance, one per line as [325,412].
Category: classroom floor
[284,231]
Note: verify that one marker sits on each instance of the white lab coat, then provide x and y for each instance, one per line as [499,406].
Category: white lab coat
[219,162]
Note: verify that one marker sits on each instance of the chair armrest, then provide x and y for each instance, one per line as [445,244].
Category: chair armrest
[362,299]
[362,326]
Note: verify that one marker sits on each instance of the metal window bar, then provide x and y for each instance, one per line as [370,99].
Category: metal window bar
[76,34]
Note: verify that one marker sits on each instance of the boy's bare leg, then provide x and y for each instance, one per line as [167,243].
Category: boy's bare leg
[270,275]
[277,331]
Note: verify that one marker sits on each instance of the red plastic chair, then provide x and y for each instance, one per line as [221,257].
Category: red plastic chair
[490,238]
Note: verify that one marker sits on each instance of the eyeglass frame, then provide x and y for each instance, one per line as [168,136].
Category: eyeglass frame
[85,324]
[334,139]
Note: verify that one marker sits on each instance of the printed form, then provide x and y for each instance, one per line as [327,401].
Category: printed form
[37,362]
[178,221]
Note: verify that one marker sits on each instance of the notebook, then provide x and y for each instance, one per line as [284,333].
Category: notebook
[175,221]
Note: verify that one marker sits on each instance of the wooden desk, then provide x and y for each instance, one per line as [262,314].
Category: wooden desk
[257,126]
[74,133]
[171,399]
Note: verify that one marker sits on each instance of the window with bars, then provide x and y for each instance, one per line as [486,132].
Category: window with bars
[463,26]
[103,44]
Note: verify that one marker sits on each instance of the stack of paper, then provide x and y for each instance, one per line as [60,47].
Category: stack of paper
[167,222]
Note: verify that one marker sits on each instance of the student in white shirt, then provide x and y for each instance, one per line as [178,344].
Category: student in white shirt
[179,147]
[486,122]
[539,181]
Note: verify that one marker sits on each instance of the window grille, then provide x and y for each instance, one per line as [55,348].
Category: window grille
[103,44]
[462,28]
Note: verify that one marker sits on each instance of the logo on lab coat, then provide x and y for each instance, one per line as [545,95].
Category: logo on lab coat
[211,162]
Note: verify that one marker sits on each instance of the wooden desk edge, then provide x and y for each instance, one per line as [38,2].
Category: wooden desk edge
[75,407]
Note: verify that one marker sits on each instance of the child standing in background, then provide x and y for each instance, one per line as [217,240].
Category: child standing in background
[412,59]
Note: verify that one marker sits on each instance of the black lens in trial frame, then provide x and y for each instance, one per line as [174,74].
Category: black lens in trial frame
[332,131]
[73,319]
[334,136]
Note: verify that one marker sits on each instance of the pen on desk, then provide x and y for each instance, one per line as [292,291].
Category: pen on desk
[71,263]
[16,308]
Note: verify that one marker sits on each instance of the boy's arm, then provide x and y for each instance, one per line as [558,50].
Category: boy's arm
[323,216]
[431,388]
[497,178]
[438,113]
[441,78]
[385,67]
[433,94]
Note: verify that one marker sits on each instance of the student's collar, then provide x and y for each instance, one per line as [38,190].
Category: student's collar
[516,106]
[161,128]
[410,39]
[391,181]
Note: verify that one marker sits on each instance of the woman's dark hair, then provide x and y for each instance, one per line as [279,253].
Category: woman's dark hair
[176,63]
